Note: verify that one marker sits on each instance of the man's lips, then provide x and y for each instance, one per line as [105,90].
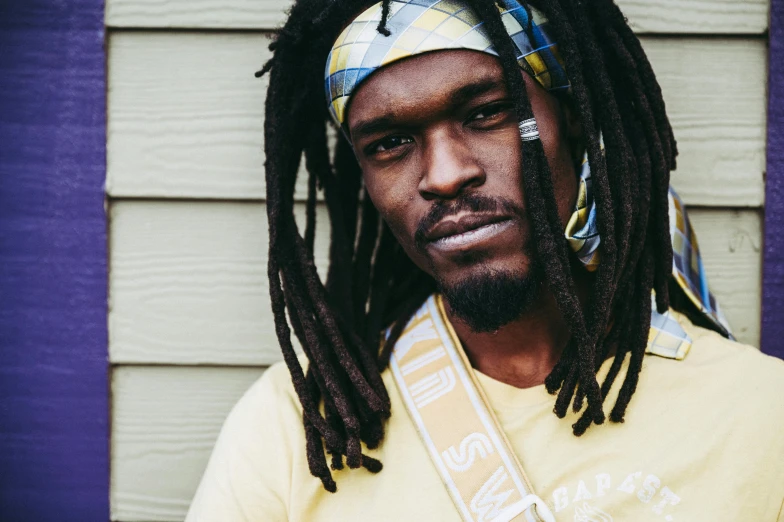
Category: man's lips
[463,230]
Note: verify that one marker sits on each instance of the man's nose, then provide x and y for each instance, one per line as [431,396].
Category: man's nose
[450,167]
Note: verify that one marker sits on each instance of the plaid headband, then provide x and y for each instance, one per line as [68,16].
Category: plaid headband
[420,26]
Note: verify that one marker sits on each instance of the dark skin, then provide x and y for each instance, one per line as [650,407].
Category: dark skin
[436,127]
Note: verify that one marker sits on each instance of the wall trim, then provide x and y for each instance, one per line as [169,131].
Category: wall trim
[772,336]
[54,387]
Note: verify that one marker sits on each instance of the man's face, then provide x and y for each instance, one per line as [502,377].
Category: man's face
[437,140]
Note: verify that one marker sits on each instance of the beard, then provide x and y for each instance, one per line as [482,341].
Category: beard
[487,300]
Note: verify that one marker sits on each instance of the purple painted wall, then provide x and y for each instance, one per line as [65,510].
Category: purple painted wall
[54,392]
[773,279]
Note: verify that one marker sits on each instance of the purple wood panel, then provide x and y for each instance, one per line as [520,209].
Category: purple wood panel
[54,399]
[773,278]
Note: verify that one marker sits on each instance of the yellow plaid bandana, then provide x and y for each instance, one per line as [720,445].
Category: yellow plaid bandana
[687,267]
[667,338]
[582,232]
[419,26]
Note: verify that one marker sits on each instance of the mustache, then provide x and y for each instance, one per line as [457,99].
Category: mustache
[474,203]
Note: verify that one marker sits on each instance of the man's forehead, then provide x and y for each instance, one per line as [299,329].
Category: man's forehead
[442,77]
[433,72]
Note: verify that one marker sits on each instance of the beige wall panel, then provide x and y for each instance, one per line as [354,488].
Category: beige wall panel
[185,115]
[660,16]
[164,424]
[188,283]
[731,243]
[715,95]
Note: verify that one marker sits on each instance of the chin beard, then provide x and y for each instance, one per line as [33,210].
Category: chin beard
[488,300]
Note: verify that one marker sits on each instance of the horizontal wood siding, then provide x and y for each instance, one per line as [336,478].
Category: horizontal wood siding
[179,128]
[189,281]
[164,423]
[190,326]
[646,16]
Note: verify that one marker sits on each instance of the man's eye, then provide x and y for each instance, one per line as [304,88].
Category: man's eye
[388,143]
[489,111]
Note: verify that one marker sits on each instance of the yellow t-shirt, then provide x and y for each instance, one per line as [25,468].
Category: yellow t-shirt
[703,441]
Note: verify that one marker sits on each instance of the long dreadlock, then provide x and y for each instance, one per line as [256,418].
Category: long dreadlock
[372,284]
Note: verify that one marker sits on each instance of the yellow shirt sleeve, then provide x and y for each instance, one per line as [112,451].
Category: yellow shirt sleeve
[248,477]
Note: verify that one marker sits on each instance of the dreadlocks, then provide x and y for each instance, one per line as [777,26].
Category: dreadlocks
[371,282]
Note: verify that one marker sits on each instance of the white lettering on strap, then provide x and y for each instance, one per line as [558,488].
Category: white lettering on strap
[487,503]
[476,443]
[423,360]
[432,387]
[424,331]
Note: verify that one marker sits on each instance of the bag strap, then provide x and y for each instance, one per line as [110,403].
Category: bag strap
[456,424]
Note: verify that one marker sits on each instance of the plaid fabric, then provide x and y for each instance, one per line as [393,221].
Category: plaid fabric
[582,232]
[419,26]
[687,268]
[667,338]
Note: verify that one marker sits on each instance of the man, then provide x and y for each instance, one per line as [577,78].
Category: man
[472,135]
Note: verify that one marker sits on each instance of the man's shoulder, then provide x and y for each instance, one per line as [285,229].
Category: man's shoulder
[712,352]
[274,388]
[269,402]
[736,377]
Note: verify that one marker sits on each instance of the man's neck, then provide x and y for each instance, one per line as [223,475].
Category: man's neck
[521,353]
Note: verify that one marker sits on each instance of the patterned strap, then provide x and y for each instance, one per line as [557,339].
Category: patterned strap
[456,424]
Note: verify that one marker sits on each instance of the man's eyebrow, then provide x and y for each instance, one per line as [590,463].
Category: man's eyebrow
[469,91]
[458,97]
[371,126]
